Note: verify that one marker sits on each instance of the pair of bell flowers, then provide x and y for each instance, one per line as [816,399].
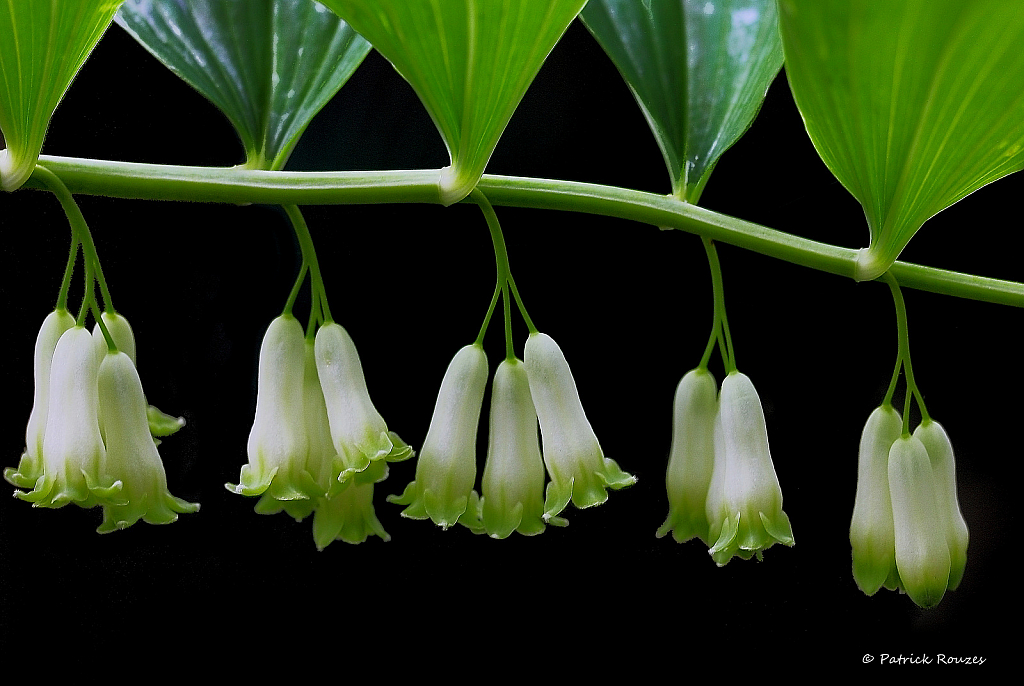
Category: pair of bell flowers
[317,443]
[907,531]
[721,482]
[539,389]
[91,436]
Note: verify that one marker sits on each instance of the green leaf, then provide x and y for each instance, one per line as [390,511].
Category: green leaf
[698,68]
[269,65]
[42,47]
[913,104]
[470,62]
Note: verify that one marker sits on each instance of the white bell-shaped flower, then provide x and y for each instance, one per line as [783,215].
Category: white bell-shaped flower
[73,452]
[744,504]
[30,467]
[872,536]
[446,467]
[359,433]
[692,457]
[513,481]
[315,474]
[940,453]
[575,462]
[131,454]
[922,554]
[278,444]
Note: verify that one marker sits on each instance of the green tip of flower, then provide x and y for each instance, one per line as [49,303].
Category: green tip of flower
[161,424]
[400,450]
[21,476]
[472,518]
[445,512]
[410,497]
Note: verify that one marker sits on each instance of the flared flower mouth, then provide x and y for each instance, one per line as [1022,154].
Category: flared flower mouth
[446,468]
[744,504]
[277,442]
[692,457]
[577,466]
[513,481]
[131,454]
[871,528]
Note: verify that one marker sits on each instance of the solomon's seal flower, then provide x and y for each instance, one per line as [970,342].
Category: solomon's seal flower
[347,514]
[940,453]
[446,468]
[692,458]
[359,433]
[575,462]
[73,453]
[871,529]
[131,454]
[277,443]
[744,505]
[513,482]
[922,555]
[30,468]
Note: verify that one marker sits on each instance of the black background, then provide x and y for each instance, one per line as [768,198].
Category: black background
[630,307]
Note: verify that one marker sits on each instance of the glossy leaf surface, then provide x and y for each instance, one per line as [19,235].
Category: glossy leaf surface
[42,47]
[913,104]
[698,68]
[269,65]
[470,62]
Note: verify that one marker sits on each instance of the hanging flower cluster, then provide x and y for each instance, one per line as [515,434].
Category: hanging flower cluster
[89,439]
[721,481]
[512,499]
[317,444]
[907,531]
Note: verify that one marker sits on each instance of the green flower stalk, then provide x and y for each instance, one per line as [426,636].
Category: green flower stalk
[940,453]
[513,481]
[446,469]
[744,504]
[577,466]
[922,555]
[131,454]
[30,467]
[73,451]
[872,536]
[359,433]
[278,444]
[692,458]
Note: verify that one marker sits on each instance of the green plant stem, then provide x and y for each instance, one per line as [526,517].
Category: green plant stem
[290,303]
[103,328]
[501,255]
[510,353]
[522,308]
[65,284]
[237,185]
[895,377]
[490,311]
[81,233]
[314,316]
[88,294]
[309,258]
[725,339]
[904,355]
